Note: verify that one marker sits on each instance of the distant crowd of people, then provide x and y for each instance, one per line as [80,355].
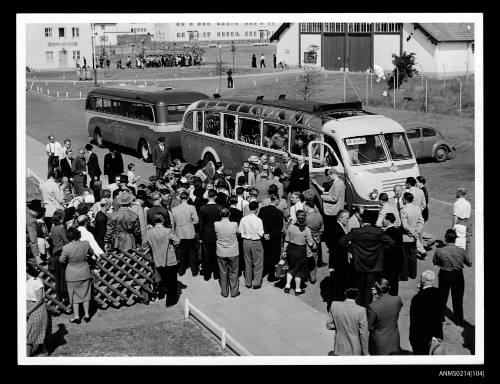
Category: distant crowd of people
[269,221]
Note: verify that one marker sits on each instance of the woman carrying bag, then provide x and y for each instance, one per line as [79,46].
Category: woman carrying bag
[298,237]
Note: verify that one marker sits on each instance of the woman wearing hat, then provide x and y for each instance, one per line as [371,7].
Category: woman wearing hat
[124,229]
[78,277]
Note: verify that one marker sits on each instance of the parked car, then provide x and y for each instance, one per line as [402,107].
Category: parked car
[427,142]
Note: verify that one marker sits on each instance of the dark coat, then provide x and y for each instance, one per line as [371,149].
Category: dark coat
[272,220]
[66,168]
[160,158]
[124,230]
[383,317]
[425,318]
[100,227]
[393,257]
[222,199]
[299,179]
[367,248]
[93,168]
[113,165]
[209,214]
[337,254]
[235,215]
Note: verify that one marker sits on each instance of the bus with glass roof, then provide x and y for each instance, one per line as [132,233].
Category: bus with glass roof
[135,116]
[371,151]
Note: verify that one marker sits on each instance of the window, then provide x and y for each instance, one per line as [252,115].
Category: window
[229,126]
[103,27]
[115,107]
[300,137]
[387,27]
[75,31]
[232,33]
[218,34]
[148,113]
[49,56]
[76,55]
[428,132]
[275,136]
[255,33]
[178,34]
[126,109]
[249,131]
[212,123]
[208,34]
[365,149]
[413,133]
[246,33]
[204,34]
[61,32]
[48,32]
[106,105]
[175,112]
[98,104]
[223,34]
[189,121]
[310,27]
[323,156]
[199,121]
[183,34]
[138,111]
[398,145]
[334,27]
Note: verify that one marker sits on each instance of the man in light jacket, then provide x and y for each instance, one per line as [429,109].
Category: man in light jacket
[412,223]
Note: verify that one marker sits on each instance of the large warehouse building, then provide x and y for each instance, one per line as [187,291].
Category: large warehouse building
[441,48]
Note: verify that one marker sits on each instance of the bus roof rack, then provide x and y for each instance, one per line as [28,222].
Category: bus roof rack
[337,107]
[216,95]
[282,97]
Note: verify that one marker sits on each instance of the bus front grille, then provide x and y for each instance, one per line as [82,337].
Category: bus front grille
[388,185]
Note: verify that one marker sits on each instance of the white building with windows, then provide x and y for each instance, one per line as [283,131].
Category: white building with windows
[213,32]
[58,46]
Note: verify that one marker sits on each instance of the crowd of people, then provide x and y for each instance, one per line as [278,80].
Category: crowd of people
[265,223]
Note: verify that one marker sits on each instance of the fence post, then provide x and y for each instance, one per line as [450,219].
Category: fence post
[186,309]
[145,83]
[460,99]
[276,79]
[223,338]
[426,95]
[48,92]
[46,84]
[135,81]
[74,83]
[57,94]
[80,94]
[371,83]
[67,95]
[254,83]
[344,87]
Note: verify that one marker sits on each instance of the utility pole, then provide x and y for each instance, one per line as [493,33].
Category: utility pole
[93,54]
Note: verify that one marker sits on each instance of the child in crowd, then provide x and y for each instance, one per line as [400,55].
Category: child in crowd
[132,179]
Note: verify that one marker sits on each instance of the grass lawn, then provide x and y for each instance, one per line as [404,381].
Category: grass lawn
[167,338]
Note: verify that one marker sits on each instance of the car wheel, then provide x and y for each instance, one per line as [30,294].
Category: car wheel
[441,154]
[209,165]
[144,151]
[98,140]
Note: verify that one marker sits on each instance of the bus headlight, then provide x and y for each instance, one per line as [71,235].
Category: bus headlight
[373,194]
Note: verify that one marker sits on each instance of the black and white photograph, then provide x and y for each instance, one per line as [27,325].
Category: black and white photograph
[250,188]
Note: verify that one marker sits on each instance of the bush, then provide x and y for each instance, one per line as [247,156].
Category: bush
[405,65]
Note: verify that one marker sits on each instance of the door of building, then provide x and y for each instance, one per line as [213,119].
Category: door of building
[334,51]
[359,52]
[63,59]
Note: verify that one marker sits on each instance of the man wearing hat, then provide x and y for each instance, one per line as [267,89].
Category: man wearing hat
[160,157]
[113,165]
[248,174]
[79,170]
[122,186]
[124,229]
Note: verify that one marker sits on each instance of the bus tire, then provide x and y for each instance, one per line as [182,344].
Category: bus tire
[144,151]
[209,161]
[98,140]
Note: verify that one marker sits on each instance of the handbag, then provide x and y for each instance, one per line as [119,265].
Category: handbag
[281,269]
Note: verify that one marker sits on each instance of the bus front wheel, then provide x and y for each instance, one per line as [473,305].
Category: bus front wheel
[144,151]
[98,140]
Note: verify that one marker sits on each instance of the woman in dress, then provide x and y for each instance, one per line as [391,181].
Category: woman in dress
[59,239]
[298,237]
[36,315]
[78,277]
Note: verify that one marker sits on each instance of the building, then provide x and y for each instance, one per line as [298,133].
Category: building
[58,46]
[213,32]
[440,48]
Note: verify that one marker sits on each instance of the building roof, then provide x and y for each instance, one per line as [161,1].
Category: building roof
[276,35]
[446,32]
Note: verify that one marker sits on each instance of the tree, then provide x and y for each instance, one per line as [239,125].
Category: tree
[308,82]
[405,65]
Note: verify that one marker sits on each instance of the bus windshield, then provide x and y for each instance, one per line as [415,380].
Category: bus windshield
[365,149]
[398,146]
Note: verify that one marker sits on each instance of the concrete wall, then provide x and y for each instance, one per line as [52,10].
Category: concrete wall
[288,47]
[454,57]
[37,45]
[384,46]
[306,41]
[426,52]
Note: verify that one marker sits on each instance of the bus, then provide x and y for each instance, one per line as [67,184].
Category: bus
[371,151]
[134,117]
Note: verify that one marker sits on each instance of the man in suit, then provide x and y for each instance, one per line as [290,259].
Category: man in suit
[418,194]
[351,325]
[101,222]
[222,198]
[288,166]
[124,229]
[299,179]
[397,200]
[338,263]
[93,169]
[79,171]
[209,214]
[412,223]
[272,220]
[160,157]
[386,208]
[393,257]
[248,175]
[367,245]
[383,316]
[65,164]
[262,185]
[113,165]
[185,218]
[425,315]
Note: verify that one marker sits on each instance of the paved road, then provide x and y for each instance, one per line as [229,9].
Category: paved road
[65,119]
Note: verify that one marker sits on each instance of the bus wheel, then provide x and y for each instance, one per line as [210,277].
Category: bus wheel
[210,164]
[441,154]
[98,138]
[143,150]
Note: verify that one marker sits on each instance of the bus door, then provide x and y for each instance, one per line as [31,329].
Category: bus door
[322,157]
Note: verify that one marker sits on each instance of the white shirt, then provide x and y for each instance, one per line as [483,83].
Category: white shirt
[32,285]
[87,236]
[242,203]
[293,211]
[251,227]
[462,208]
[55,148]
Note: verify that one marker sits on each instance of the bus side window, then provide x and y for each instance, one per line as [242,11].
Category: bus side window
[212,123]
[189,121]
[249,131]
[275,136]
[229,126]
[91,104]
[199,121]
[106,105]
[98,104]
[126,109]
[115,107]
[138,111]
[301,138]
[148,113]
